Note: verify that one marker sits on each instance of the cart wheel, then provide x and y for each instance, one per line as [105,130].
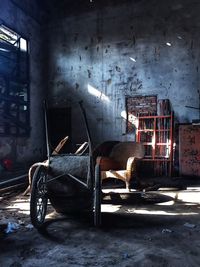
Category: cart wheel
[97,197]
[39,199]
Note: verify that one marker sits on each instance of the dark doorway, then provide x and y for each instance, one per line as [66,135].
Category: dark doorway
[60,126]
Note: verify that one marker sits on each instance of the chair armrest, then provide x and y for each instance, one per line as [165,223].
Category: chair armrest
[131,164]
[131,167]
[107,163]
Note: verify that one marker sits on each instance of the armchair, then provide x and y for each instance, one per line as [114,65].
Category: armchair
[121,162]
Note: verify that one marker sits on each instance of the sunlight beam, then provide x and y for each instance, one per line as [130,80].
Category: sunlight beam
[93,91]
[161,212]
[131,118]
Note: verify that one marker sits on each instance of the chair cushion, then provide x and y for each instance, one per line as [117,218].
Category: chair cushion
[122,151]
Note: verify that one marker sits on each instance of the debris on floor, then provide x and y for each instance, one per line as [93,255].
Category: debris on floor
[125,239]
[189,225]
[11,227]
[164,231]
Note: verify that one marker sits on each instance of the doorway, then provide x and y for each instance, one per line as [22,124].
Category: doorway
[59,120]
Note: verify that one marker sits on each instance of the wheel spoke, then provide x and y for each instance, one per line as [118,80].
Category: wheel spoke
[39,197]
[40,208]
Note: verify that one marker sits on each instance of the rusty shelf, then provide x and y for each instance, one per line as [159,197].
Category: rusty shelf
[156,133]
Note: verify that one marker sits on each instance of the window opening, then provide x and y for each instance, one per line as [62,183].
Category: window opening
[14,84]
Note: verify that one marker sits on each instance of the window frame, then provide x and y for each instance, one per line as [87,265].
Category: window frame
[15,101]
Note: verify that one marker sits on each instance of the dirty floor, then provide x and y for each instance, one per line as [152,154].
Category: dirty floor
[158,229]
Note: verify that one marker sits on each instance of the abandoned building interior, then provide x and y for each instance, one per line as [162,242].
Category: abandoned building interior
[99,133]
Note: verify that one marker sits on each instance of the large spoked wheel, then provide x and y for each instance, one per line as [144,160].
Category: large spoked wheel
[39,199]
[97,197]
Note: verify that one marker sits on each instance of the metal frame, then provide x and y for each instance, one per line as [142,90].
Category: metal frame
[89,184]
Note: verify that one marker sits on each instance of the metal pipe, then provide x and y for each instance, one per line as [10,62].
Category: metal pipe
[90,178]
[46,130]
[192,107]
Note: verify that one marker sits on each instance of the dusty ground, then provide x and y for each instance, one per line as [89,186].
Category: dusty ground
[149,232]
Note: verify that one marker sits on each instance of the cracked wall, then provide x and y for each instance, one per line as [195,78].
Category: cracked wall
[136,48]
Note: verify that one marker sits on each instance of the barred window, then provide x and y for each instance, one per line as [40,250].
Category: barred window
[14,84]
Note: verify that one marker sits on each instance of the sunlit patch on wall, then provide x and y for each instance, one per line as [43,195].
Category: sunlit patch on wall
[133,120]
[93,91]
[133,59]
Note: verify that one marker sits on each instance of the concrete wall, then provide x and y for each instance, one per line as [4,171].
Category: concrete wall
[135,48]
[22,21]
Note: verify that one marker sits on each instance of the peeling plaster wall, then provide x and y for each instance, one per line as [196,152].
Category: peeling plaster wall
[30,148]
[137,48]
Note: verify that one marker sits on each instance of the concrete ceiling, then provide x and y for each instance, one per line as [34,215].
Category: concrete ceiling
[67,7]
